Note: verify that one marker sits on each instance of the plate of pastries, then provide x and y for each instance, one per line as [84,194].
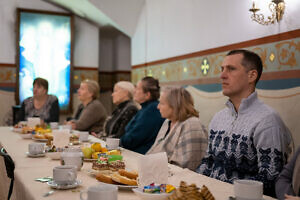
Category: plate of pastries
[124,179]
[191,192]
[110,169]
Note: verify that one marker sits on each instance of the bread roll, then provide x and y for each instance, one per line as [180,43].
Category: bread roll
[123,179]
[131,175]
[105,178]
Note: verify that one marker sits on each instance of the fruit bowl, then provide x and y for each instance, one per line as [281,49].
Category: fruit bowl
[150,196]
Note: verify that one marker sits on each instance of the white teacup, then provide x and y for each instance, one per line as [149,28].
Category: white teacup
[248,190]
[72,158]
[112,143]
[33,121]
[36,148]
[66,127]
[54,125]
[101,192]
[64,174]
[83,136]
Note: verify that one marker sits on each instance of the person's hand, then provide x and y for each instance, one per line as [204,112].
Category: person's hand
[72,123]
[289,197]
[94,134]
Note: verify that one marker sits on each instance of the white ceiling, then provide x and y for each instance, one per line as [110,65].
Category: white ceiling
[121,14]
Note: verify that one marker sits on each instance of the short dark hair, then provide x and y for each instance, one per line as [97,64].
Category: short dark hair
[41,82]
[150,84]
[251,61]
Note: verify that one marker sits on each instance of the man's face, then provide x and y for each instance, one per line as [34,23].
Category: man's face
[234,77]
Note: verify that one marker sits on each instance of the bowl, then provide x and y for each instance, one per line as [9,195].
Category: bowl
[54,155]
[150,196]
[26,135]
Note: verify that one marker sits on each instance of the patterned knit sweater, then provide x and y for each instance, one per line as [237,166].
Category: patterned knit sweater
[248,144]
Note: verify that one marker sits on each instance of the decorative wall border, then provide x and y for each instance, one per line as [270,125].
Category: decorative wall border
[8,75]
[280,54]
[80,73]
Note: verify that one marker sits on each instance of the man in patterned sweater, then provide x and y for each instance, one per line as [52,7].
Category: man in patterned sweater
[247,139]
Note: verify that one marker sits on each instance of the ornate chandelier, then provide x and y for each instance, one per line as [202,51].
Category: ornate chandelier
[277,9]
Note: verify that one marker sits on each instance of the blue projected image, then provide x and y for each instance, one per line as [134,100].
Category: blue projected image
[45,51]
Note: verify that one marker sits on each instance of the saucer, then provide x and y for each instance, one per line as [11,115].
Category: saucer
[54,185]
[116,148]
[234,198]
[35,155]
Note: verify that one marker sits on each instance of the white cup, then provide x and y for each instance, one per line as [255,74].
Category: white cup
[66,127]
[36,148]
[33,121]
[83,136]
[112,143]
[72,158]
[100,192]
[54,125]
[248,189]
[64,174]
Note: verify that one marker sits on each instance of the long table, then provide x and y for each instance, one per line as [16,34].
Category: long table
[28,169]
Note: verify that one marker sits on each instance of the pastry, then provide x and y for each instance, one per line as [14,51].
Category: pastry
[131,175]
[191,192]
[105,178]
[123,179]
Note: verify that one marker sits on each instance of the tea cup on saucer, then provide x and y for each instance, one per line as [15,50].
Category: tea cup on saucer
[63,175]
[100,192]
[36,148]
[248,190]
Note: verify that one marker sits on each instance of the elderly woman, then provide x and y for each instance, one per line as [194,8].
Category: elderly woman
[41,105]
[182,136]
[91,114]
[125,110]
[141,131]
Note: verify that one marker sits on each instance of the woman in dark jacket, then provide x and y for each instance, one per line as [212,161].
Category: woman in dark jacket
[141,131]
[125,110]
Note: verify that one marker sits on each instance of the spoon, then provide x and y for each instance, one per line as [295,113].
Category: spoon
[48,193]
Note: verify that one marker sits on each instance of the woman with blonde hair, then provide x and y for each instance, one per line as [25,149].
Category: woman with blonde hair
[125,110]
[90,114]
[182,136]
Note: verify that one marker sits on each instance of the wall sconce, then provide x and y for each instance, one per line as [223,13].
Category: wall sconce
[277,9]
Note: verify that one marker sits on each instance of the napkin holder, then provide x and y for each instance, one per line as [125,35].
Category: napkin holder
[153,168]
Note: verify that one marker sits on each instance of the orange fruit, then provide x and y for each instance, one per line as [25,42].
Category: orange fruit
[96,146]
[104,150]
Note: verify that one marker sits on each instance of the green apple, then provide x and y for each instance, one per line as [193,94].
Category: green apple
[87,152]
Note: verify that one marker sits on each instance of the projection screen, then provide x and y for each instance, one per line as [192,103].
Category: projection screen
[44,50]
